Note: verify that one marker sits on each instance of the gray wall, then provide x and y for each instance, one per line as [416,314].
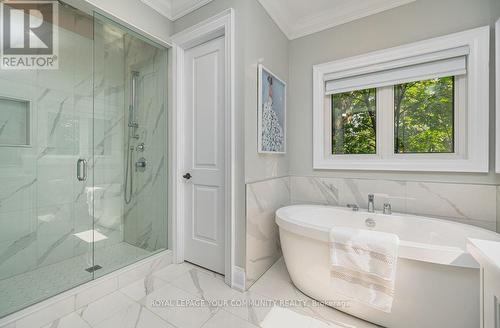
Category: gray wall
[416,21]
[258,39]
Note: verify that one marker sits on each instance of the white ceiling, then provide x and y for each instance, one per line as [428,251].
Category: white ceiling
[295,18]
[298,18]
[174,9]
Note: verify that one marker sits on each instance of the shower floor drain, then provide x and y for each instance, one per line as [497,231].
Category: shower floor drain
[94,268]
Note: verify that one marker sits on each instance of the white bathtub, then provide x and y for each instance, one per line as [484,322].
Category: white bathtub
[437,281]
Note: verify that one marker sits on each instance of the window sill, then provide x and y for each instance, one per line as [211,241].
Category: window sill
[374,163]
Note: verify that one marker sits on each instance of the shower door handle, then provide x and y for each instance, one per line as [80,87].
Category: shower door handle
[81,170]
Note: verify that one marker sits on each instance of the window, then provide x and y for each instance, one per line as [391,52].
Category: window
[354,127]
[419,107]
[423,116]
[423,119]
[423,113]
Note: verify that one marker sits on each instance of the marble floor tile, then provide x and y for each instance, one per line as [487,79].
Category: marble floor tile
[223,319]
[208,286]
[173,271]
[134,316]
[251,307]
[178,307]
[191,297]
[335,318]
[70,321]
[276,284]
[105,308]
[282,317]
[143,287]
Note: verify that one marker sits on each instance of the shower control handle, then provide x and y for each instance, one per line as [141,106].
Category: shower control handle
[141,164]
[81,169]
[187,176]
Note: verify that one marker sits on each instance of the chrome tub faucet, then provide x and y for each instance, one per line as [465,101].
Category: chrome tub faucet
[354,207]
[387,209]
[371,203]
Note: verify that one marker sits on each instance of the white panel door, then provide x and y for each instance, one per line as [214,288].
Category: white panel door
[205,142]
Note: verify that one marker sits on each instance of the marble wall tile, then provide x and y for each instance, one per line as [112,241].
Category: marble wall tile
[17,193]
[18,240]
[55,181]
[356,191]
[16,224]
[55,240]
[149,191]
[466,203]
[17,256]
[262,244]
[315,190]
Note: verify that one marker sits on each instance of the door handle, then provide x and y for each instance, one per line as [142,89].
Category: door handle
[81,169]
[187,176]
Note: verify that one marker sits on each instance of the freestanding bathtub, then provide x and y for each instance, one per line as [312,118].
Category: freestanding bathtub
[437,281]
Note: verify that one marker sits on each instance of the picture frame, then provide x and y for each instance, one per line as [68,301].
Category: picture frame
[271,131]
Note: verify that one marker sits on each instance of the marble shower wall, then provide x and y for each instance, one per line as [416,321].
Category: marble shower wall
[466,203]
[79,111]
[109,137]
[144,220]
[262,238]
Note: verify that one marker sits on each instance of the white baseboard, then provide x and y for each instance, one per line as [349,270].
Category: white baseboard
[238,279]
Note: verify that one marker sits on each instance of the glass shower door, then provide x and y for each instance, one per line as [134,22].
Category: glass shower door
[83,161]
[46,138]
[130,215]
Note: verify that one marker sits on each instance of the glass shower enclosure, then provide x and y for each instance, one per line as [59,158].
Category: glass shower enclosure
[83,156]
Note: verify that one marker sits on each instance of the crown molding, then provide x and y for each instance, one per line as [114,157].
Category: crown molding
[294,26]
[175,9]
[179,11]
[163,7]
[281,14]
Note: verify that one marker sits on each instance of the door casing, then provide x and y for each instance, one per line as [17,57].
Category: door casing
[221,25]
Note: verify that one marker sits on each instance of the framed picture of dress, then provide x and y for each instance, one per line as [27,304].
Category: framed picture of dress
[271,113]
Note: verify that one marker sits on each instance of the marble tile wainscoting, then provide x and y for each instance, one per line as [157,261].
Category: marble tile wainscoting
[263,198]
[474,204]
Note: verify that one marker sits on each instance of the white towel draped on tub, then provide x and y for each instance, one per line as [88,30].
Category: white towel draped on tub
[363,265]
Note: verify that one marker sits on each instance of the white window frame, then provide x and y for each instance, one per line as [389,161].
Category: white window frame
[471,110]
